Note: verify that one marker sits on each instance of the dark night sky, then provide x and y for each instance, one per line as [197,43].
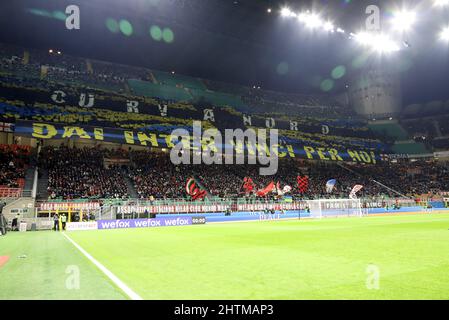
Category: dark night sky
[234,42]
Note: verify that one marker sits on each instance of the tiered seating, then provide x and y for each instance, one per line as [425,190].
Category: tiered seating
[410,148]
[425,110]
[219,86]
[310,112]
[154,175]
[389,128]
[428,123]
[216,98]
[81,173]
[149,89]
[180,81]
[14,161]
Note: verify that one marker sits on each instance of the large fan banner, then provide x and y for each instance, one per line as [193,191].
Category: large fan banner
[158,139]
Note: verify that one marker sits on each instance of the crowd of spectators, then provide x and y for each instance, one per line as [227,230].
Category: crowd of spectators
[154,176]
[432,131]
[81,173]
[311,106]
[55,66]
[14,161]
[24,68]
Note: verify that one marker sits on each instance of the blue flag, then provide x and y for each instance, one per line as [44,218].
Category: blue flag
[330,185]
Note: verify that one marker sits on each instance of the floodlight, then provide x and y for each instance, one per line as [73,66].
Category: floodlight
[328,26]
[363,38]
[313,21]
[441,3]
[378,42]
[286,12]
[302,17]
[403,20]
[383,44]
[444,34]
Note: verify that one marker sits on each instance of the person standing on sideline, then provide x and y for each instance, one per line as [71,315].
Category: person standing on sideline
[63,221]
[56,222]
[3,222]
[15,223]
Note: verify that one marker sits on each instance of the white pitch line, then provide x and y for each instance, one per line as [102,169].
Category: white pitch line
[119,283]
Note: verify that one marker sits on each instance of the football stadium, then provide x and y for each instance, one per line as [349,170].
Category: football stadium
[224,150]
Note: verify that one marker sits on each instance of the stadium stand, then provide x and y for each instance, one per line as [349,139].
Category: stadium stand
[427,123]
[180,81]
[35,69]
[162,91]
[52,87]
[81,173]
[14,161]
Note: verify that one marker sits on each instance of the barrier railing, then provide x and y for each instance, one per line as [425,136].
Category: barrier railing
[10,192]
[369,202]
[115,208]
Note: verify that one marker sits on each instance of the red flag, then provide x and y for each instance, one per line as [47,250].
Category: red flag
[266,190]
[303,184]
[248,185]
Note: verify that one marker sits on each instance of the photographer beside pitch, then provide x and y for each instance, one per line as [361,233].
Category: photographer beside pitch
[3,222]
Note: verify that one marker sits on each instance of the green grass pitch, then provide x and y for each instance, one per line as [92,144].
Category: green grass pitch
[325,259]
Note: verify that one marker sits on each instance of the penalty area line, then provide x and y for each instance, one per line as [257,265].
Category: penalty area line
[119,283]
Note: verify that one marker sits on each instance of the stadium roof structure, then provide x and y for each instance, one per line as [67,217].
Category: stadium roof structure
[238,41]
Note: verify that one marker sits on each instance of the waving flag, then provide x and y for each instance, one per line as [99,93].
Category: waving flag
[282,191]
[357,188]
[195,189]
[266,190]
[330,185]
[303,183]
[248,185]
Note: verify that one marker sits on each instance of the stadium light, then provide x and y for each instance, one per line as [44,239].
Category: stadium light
[287,12]
[362,37]
[440,3]
[313,21]
[444,34]
[383,44]
[378,42]
[403,20]
[329,26]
